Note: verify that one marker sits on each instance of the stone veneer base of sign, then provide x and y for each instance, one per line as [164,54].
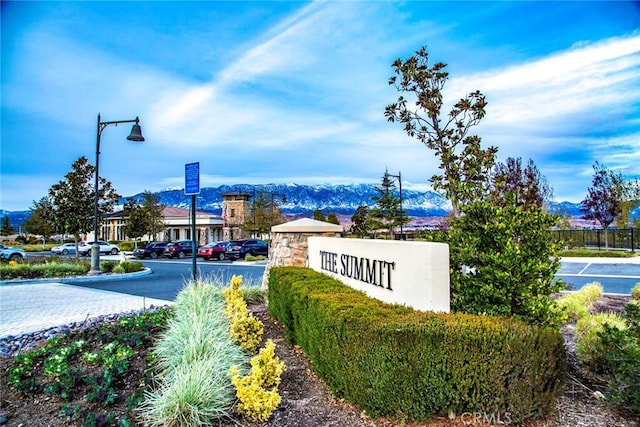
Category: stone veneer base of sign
[415,274]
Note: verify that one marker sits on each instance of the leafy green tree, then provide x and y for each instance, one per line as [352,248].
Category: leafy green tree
[153,210]
[6,228]
[360,226]
[387,213]
[513,184]
[630,200]
[40,221]
[503,258]
[466,165]
[333,218]
[318,215]
[604,197]
[73,199]
[137,220]
[265,213]
[503,262]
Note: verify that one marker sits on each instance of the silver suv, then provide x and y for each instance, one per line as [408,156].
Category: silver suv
[9,253]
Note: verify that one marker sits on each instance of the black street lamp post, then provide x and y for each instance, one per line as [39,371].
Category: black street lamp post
[135,135]
[400,185]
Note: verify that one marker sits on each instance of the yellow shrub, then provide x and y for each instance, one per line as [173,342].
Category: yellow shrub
[235,306]
[266,366]
[246,331]
[234,289]
[258,390]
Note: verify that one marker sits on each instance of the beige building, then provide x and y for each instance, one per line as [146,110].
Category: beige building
[236,208]
[177,226]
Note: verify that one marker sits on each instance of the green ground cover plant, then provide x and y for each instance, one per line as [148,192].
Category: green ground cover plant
[91,365]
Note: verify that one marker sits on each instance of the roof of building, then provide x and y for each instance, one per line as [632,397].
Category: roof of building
[170,211]
[306,225]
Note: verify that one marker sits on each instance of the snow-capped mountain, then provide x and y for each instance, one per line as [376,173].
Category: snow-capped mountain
[305,199]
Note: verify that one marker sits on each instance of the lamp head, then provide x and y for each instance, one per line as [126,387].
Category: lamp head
[136,133]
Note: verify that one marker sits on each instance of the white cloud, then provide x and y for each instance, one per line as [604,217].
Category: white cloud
[592,77]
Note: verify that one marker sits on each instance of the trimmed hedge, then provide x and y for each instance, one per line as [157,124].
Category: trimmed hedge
[38,271]
[391,360]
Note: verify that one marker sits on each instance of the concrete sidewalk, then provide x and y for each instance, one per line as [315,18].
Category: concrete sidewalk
[31,307]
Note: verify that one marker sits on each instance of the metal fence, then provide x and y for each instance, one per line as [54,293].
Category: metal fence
[616,238]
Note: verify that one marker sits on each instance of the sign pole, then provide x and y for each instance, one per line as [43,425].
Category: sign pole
[194,244]
[192,187]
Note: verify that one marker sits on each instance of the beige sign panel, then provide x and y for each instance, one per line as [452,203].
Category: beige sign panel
[415,274]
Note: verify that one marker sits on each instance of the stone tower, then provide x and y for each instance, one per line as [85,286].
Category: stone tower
[236,208]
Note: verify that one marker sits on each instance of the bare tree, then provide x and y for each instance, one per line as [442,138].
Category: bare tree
[465,164]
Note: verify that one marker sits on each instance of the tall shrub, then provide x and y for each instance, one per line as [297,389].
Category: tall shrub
[503,262]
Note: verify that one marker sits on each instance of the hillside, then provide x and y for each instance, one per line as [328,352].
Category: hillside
[303,200]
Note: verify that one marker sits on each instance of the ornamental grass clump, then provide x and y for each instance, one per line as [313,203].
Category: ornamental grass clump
[194,356]
[194,394]
[576,305]
[635,292]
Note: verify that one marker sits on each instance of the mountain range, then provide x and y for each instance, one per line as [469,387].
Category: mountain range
[303,200]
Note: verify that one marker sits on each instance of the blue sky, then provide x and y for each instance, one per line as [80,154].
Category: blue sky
[294,92]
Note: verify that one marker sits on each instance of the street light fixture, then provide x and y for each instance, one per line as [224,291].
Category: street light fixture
[135,135]
[387,174]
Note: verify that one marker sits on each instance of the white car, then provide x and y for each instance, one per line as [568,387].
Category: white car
[64,249]
[105,248]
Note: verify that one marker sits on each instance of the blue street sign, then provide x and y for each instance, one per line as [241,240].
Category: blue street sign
[192,178]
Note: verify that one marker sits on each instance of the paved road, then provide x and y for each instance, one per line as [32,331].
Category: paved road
[616,275]
[170,276]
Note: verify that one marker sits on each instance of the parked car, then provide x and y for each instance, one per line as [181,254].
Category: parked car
[65,249]
[9,253]
[179,249]
[239,249]
[105,248]
[150,250]
[213,250]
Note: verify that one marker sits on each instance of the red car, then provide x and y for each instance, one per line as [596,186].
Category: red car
[213,250]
